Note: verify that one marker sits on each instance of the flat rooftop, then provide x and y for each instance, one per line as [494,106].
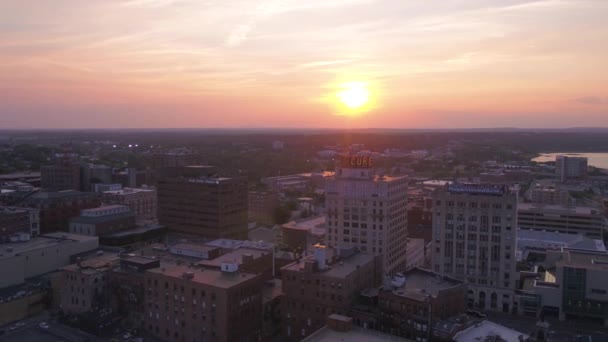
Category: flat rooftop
[135,231]
[536,238]
[95,262]
[419,283]
[477,189]
[101,219]
[20,175]
[235,256]
[193,247]
[11,249]
[356,334]
[589,260]
[234,244]
[308,224]
[210,277]
[339,269]
[43,195]
[484,329]
[128,191]
[558,209]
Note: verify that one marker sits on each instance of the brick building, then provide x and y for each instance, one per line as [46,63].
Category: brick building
[320,285]
[142,201]
[56,208]
[262,206]
[14,221]
[410,303]
[195,304]
[194,200]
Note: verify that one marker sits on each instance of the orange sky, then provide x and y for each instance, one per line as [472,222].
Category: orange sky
[278,63]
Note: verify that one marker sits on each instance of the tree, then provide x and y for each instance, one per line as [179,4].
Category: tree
[282,214]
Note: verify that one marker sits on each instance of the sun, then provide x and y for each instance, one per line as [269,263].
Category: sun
[354,95]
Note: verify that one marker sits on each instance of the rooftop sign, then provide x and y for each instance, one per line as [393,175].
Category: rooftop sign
[356,162]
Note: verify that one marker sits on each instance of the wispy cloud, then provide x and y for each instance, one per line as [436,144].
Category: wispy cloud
[469,56]
[592,100]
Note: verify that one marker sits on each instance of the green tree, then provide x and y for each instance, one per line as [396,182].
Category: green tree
[281,214]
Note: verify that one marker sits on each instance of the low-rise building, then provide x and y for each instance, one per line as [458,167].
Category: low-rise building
[551,195]
[341,328]
[142,201]
[571,220]
[199,304]
[103,220]
[320,285]
[85,285]
[583,278]
[489,331]
[410,303]
[538,242]
[46,253]
[56,208]
[302,233]
[18,223]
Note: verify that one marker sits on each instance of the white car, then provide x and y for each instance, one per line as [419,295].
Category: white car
[44,325]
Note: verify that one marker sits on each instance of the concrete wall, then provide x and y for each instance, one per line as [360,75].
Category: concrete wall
[22,308]
[12,271]
[44,260]
[597,279]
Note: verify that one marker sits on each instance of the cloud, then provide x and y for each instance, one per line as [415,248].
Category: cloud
[592,100]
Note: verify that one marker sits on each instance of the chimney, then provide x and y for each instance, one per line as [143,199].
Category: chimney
[321,256]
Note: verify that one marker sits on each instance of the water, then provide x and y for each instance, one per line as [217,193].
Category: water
[595,159]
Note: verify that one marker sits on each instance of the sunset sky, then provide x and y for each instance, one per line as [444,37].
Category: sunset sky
[280,63]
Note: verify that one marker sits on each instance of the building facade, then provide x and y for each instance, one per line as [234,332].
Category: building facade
[188,304]
[368,212]
[103,220]
[85,284]
[474,240]
[320,285]
[91,174]
[584,286]
[571,220]
[192,201]
[40,255]
[56,208]
[411,303]
[570,168]
[64,175]
[262,206]
[15,221]
[142,201]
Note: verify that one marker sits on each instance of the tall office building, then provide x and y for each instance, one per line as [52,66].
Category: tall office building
[367,211]
[91,174]
[474,238]
[64,175]
[194,200]
[567,168]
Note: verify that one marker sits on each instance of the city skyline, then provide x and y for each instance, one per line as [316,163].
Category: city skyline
[281,63]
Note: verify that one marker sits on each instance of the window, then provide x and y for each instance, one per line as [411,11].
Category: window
[598,291]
